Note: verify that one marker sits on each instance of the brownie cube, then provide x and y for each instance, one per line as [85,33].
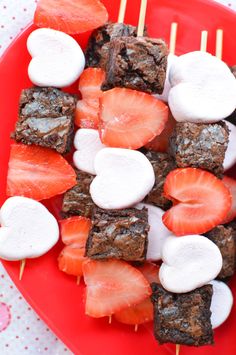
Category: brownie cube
[118,234]
[224,236]
[162,164]
[137,63]
[77,201]
[200,145]
[183,318]
[46,118]
[97,52]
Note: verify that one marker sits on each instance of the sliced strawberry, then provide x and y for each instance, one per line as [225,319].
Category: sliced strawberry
[112,285]
[201,201]
[75,230]
[70,16]
[137,314]
[90,83]
[71,260]
[38,173]
[87,113]
[231,184]
[150,271]
[161,142]
[130,118]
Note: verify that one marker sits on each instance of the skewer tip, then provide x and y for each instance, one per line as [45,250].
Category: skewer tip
[22,268]
[110,319]
[136,327]
[173,35]
[219,43]
[177,349]
[78,280]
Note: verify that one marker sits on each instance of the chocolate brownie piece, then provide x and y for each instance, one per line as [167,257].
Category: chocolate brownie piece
[183,318]
[200,145]
[46,118]
[137,63]
[162,164]
[77,201]
[97,52]
[118,234]
[224,236]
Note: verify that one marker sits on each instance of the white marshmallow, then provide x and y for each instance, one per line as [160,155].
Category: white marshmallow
[28,229]
[189,262]
[124,178]
[164,96]
[158,232]
[88,144]
[230,154]
[221,303]
[203,88]
[57,59]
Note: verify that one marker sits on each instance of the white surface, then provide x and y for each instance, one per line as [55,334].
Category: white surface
[28,229]
[189,262]
[124,178]
[88,144]
[195,94]
[26,329]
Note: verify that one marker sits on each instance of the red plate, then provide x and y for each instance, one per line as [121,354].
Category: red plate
[55,296]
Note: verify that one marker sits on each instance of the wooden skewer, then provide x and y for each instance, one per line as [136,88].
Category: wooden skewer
[142,15]
[22,268]
[110,319]
[203,45]
[177,350]
[173,35]
[219,43]
[122,10]
[136,327]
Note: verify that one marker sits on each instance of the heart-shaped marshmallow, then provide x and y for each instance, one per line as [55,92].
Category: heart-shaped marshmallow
[28,229]
[57,59]
[230,154]
[203,88]
[88,144]
[221,303]
[158,232]
[189,262]
[164,96]
[124,178]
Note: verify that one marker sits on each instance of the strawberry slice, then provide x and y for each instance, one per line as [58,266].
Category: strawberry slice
[112,285]
[87,113]
[38,173]
[90,83]
[70,16]
[138,314]
[161,142]
[71,260]
[75,230]
[150,271]
[201,201]
[130,118]
[231,184]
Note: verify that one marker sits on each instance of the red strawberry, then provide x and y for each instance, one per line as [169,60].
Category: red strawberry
[130,118]
[112,285]
[231,184]
[201,201]
[75,231]
[87,113]
[90,83]
[38,173]
[71,260]
[161,142]
[70,16]
[138,314]
[150,271]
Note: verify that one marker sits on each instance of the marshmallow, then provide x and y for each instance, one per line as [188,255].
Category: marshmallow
[124,178]
[203,88]
[158,232]
[28,229]
[164,96]
[57,59]
[221,303]
[88,144]
[230,154]
[189,262]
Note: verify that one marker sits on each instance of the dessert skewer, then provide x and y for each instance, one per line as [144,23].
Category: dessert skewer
[122,10]
[203,45]
[173,36]
[219,43]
